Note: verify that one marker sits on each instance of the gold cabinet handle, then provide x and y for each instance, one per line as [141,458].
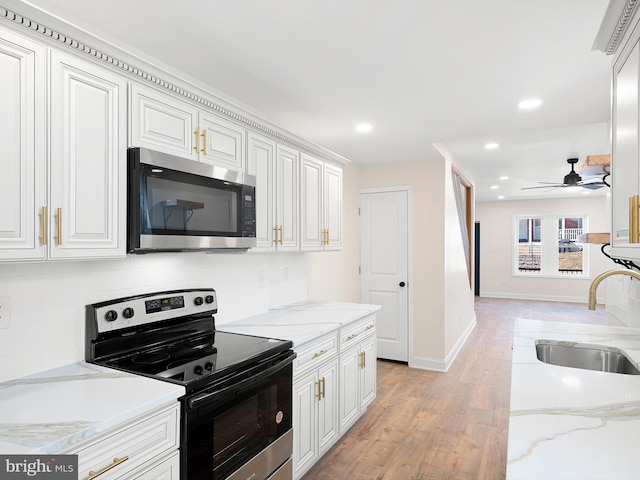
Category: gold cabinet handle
[204,141]
[319,354]
[319,393]
[351,337]
[197,134]
[116,461]
[634,227]
[278,239]
[369,327]
[363,359]
[43,225]
[58,216]
[281,233]
[323,387]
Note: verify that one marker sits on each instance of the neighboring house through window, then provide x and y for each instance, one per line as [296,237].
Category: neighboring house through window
[545,245]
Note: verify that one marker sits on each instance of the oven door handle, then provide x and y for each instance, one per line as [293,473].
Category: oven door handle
[204,398]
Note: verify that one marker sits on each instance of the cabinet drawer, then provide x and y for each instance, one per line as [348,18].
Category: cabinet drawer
[136,443]
[311,355]
[352,334]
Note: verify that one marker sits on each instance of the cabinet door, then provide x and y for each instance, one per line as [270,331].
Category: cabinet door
[368,372]
[625,157]
[168,469]
[287,163]
[163,123]
[221,142]
[88,154]
[311,173]
[22,140]
[328,426]
[349,388]
[261,153]
[305,434]
[332,200]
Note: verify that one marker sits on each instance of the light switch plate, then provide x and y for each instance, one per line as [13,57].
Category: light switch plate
[5,312]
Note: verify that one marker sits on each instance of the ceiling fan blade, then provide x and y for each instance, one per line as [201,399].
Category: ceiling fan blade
[594,185]
[551,185]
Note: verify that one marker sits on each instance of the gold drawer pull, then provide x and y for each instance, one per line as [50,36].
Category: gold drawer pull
[369,327]
[116,461]
[351,337]
[319,354]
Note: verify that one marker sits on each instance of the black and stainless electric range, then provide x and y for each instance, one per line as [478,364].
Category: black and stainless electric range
[236,414]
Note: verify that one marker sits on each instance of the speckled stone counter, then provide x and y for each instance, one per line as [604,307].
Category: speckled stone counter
[51,411]
[571,423]
[300,322]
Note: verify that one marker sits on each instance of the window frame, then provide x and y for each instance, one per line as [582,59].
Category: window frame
[549,247]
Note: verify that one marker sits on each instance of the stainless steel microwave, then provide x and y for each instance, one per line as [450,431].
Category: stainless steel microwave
[176,204]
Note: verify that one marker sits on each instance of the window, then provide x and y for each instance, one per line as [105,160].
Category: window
[546,245]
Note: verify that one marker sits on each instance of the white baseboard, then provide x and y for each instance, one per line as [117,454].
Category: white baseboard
[548,298]
[443,364]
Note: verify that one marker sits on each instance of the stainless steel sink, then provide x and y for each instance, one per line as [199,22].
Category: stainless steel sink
[589,357]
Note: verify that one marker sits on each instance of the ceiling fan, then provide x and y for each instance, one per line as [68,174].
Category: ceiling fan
[572,179]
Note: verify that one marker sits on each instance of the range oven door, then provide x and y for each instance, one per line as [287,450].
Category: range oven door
[241,426]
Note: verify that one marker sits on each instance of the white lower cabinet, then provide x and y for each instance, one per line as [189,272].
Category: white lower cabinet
[333,383]
[357,381]
[145,448]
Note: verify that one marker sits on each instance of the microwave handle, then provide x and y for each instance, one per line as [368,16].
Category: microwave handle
[204,398]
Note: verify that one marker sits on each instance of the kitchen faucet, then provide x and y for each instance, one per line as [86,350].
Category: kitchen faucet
[602,276]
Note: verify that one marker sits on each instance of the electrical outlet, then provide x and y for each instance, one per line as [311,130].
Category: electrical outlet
[5,312]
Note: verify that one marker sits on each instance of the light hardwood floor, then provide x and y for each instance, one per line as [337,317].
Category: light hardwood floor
[428,425]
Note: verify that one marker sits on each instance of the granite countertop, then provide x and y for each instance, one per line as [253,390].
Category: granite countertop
[570,423]
[53,410]
[300,322]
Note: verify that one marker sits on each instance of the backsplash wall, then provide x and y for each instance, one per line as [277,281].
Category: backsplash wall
[48,298]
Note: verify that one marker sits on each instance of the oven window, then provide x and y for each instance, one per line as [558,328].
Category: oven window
[223,437]
[175,202]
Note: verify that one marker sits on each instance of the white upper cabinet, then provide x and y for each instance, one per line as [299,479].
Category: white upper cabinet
[84,215]
[87,208]
[625,181]
[287,215]
[22,139]
[221,142]
[320,205]
[168,124]
[261,158]
[163,123]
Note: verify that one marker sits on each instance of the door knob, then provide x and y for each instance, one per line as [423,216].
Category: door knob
[402,284]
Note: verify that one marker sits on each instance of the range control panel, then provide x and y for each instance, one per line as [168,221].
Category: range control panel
[153,307]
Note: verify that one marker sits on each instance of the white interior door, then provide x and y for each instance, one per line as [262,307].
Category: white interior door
[384,267]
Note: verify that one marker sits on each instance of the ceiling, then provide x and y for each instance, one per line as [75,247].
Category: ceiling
[420,71]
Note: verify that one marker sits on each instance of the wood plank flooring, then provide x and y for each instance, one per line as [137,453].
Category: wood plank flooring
[426,425]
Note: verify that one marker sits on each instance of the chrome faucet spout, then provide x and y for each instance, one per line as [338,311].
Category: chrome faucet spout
[596,281]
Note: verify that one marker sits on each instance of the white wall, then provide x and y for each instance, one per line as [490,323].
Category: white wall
[442,307]
[48,299]
[496,249]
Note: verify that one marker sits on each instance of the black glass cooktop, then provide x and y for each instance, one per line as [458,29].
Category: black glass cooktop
[210,355]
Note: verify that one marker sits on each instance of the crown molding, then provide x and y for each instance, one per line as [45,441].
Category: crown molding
[616,22]
[145,76]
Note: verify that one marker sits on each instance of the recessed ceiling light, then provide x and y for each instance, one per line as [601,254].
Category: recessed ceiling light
[491,146]
[504,177]
[529,104]
[364,127]
[501,197]
[494,187]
